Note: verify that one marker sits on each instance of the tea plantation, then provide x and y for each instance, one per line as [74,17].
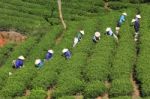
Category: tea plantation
[103,70]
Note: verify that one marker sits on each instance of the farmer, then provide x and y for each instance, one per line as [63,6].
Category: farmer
[49,54]
[78,37]
[39,63]
[120,21]
[96,37]
[19,62]
[136,26]
[110,33]
[66,53]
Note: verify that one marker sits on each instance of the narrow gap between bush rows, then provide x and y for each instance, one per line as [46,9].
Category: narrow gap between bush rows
[135,82]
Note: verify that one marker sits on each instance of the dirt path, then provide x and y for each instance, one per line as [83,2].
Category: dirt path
[27,92]
[59,38]
[136,92]
[49,92]
[105,95]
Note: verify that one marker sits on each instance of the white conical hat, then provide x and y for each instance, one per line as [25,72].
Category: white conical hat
[124,13]
[37,61]
[50,51]
[64,50]
[138,16]
[133,20]
[108,29]
[97,34]
[21,57]
[82,32]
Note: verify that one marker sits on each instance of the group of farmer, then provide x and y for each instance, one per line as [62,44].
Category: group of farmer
[19,63]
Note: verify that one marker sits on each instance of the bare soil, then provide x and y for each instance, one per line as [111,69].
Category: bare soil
[27,93]
[49,92]
[59,38]
[11,36]
[136,92]
[105,95]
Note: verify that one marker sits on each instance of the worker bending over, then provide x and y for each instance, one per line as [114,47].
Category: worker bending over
[96,37]
[78,37]
[110,33]
[49,54]
[19,62]
[66,53]
[120,21]
[39,63]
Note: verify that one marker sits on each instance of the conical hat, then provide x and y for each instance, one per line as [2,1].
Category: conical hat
[64,50]
[108,29]
[82,32]
[37,61]
[138,16]
[124,13]
[50,51]
[21,57]
[133,20]
[97,34]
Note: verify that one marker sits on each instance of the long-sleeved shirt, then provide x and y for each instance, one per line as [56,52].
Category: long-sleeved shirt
[95,39]
[48,56]
[18,63]
[136,26]
[40,64]
[67,54]
[122,19]
[79,36]
[110,33]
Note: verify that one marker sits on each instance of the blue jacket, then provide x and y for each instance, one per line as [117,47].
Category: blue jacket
[136,26]
[18,63]
[67,54]
[48,56]
[122,19]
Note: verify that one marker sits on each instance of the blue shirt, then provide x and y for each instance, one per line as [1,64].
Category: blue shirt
[67,54]
[136,26]
[122,19]
[18,63]
[48,56]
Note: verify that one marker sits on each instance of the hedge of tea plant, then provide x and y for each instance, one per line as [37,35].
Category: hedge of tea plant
[124,58]
[142,69]
[98,65]
[16,84]
[22,49]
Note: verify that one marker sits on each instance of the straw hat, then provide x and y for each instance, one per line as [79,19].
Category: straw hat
[21,57]
[82,32]
[37,61]
[138,16]
[64,50]
[133,20]
[97,34]
[51,51]
[108,29]
[124,13]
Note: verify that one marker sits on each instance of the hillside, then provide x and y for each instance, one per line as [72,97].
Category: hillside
[103,70]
